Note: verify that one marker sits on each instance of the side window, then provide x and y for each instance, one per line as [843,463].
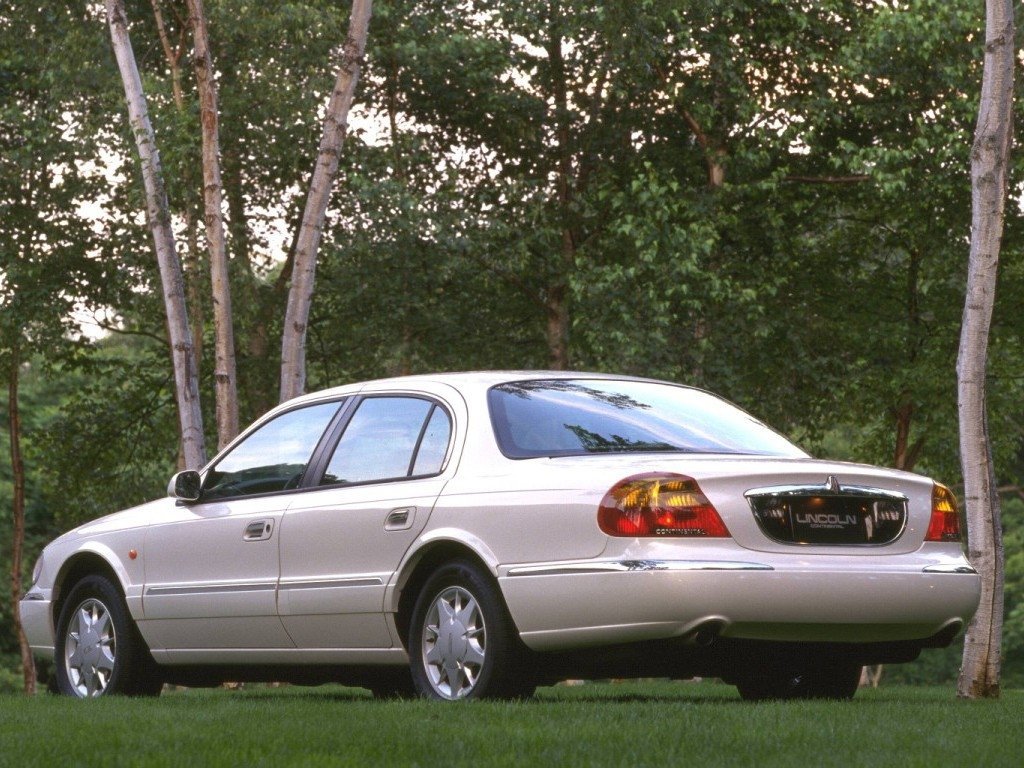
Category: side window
[434,444]
[273,457]
[390,438]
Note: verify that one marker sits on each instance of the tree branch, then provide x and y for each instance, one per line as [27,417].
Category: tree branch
[856,178]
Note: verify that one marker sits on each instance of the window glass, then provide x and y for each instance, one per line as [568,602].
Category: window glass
[380,441]
[434,444]
[564,417]
[273,457]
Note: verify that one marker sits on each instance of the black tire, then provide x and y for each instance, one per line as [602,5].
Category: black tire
[99,651]
[477,652]
[818,680]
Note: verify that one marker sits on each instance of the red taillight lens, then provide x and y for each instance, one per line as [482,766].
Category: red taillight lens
[659,505]
[945,522]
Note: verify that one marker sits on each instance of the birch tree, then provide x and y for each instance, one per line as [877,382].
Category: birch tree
[186,379]
[225,378]
[300,294]
[173,53]
[990,156]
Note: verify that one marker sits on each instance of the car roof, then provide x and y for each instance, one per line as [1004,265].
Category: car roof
[461,379]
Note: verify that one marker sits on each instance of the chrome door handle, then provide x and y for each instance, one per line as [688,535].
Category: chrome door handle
[258,530]
[400,519]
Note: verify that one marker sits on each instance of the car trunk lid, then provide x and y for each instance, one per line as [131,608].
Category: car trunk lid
[804,505]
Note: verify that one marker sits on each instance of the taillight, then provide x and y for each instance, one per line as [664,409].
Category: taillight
[659,505]
[945,522]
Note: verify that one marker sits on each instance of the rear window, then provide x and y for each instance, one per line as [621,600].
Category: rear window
[568,417]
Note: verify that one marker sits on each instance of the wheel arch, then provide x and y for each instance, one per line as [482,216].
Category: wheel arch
[85,562]
[424,561]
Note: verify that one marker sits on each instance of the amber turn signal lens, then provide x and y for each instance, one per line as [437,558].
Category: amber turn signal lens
[945,522]
[659,505]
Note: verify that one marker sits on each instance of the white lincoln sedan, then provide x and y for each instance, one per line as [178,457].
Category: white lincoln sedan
[476,535]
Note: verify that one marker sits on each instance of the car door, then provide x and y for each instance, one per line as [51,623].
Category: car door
[341,544]
[212,566]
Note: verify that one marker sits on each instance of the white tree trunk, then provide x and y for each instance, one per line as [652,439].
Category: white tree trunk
[186,378]
[224,375]
[300,295]
[990,155]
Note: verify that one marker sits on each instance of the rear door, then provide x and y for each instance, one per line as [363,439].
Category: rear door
[341,544]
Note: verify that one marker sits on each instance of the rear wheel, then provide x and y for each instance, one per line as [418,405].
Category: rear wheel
[462,643]
[813,680]
[99,651]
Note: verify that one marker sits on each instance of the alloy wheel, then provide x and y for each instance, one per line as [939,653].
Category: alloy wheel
[454,643]
[90,649]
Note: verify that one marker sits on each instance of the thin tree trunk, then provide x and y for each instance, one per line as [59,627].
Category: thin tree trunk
[300,296]
[990,156]
[714,159]
[193,281]
[28,666]
[224,373]
[186,378]
[557,295]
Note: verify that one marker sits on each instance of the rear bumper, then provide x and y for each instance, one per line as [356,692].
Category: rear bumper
[565,605]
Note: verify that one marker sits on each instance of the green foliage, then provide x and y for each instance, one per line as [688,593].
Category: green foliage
[1013,622]
[769,199]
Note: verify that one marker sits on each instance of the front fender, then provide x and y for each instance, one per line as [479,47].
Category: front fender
[92,556]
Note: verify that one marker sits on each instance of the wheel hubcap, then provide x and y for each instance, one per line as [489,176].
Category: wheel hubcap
[89,649]
[454,643]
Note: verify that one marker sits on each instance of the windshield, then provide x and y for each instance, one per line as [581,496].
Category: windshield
[567,417]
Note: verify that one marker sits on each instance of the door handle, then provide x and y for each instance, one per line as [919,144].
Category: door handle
[258,530]
[400,519]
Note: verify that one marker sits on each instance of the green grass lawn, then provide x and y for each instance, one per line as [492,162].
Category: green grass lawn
[630,724]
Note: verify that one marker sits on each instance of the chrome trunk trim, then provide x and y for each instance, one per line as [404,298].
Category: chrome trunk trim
[776,510]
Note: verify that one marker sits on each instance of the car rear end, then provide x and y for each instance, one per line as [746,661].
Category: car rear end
[716,527]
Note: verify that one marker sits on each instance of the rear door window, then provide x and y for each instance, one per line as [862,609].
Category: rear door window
[390,438]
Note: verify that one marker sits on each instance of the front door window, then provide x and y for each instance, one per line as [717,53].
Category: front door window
[273,458]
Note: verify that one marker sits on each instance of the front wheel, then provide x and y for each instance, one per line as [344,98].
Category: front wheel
[98,649]
[462,642]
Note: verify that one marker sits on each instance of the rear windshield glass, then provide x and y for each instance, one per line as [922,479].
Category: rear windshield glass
[567,417]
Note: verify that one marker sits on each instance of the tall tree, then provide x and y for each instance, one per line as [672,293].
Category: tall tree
[300,294]
[186,373]
[224,367]
[18,513]
[990,161]
[173,53]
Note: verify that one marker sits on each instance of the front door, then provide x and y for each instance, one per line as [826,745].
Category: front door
[212,566]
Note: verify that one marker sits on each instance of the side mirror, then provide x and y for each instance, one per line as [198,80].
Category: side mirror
[186,486]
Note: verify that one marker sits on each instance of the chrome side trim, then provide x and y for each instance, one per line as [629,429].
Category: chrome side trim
[210,590]
[332,583]
[948,569]
[627,566]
